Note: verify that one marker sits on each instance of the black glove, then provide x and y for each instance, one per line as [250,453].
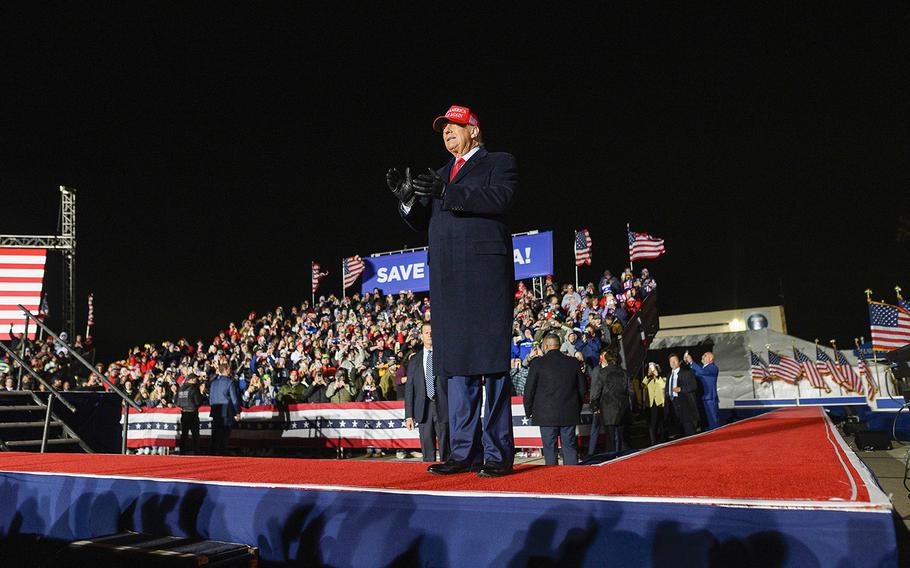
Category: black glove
[430,185]
[401,186]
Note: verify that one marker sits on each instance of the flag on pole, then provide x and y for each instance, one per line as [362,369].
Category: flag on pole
[91,311]
[890,326]
[865,372]
[643,245]
[783,367]
[824,364]
[810,371]
[44,311]
[848,377]
[353,266]
[758,368]
[582,247]
[318,275]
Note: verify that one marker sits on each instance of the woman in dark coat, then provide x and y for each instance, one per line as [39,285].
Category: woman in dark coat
[610,392]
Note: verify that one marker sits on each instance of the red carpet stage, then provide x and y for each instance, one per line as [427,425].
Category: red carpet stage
[778,489]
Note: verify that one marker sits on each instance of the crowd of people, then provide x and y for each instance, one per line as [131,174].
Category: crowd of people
[338,350]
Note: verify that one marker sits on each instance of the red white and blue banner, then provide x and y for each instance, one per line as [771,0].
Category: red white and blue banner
[349,425]
[400,271]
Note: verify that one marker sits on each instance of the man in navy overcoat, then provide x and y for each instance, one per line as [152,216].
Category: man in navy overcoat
[224,400]
[464,206]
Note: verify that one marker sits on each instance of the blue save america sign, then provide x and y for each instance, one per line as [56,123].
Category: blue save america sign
[394,273]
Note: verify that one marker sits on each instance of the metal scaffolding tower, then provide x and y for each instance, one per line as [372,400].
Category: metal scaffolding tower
[65,242]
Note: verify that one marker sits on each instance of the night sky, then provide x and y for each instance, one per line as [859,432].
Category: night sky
[215,153]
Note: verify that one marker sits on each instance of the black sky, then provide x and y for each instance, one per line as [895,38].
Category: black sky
[217,152]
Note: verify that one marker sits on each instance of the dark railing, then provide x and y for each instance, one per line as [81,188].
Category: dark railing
[127,401]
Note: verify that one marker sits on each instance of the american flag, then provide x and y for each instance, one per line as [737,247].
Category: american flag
[864,371]
[91,311]
[582,247]
[318,275]
[783,367]
[890,326]
[904,304]
[643,245]
[21,280]
[824,364]
[810,371]
[848,377]
[353,266]
[758,369]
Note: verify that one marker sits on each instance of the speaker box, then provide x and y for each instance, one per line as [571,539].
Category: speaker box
[869,441]
[851,428]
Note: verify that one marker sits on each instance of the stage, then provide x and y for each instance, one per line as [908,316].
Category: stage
[781,488]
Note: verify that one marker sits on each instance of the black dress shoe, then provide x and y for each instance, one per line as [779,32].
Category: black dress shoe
[494,469]
[452,466]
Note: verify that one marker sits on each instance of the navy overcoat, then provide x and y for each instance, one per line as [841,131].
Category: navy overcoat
[471,266]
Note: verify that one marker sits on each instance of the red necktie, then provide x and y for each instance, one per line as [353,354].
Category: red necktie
[458,163]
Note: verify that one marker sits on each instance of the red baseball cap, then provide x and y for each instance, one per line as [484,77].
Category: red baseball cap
[458,115]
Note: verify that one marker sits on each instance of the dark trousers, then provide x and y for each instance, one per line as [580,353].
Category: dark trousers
[657,418]
[189,424]
[595,434]
[614,437]
[471,439]
[566,437]
[220,435]
[434,434]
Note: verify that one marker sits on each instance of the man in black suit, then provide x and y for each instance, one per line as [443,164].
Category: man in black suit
[681,388]
[553,398]
[425,401]
[464,207]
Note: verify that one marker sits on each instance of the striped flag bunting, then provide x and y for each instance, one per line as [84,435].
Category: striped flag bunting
[582,247]
[351,425]
[783,367]
[21,281]
[643,245]
[890,326]
[810,371]
[758,369]
[353,266]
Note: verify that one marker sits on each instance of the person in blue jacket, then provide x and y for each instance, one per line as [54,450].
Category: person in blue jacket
[224,399]
[464,207]
[522,345]
[707,376]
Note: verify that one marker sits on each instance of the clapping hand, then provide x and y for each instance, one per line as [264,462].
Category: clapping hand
[401,187]
[430,184]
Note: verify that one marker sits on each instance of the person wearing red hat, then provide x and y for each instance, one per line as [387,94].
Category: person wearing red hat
[464,207]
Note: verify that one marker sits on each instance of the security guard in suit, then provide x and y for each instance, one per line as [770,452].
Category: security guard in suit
[426,405]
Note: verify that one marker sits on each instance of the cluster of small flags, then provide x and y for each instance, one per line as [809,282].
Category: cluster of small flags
[792,369]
